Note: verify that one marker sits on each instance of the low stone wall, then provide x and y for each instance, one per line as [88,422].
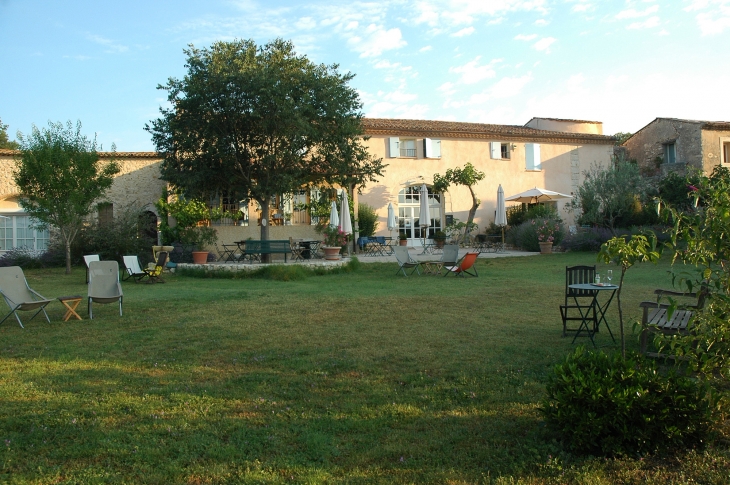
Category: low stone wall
[313,263]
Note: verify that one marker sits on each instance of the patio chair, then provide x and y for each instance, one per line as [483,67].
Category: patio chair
[405,261]
[19,296]
[656,319]
[104,285]
[155,274]
[578,303]
[87,259]
[466,263]
[450,255]
[132,269]
[296,249]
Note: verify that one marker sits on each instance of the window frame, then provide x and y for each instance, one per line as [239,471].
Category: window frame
[669,148]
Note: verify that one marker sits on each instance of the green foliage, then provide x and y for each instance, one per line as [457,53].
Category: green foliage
[674,190]
[189,214]
[700,239]
[518,214]
[5,142]
[124,235]
[274,272]
[468,177]
[604,404]
[619,251]
[367,220]
[621,137]
[526,235]
[457,231]
[60,177]
[258,121]
[612,197]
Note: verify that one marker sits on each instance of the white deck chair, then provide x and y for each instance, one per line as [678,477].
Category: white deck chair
[87,259]
[133,270]
[18,295]
[104,285]
[405,261]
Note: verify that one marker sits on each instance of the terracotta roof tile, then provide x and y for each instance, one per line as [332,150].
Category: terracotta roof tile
[455,129]
[7,152]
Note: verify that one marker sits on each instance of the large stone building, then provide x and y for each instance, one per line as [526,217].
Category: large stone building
[546,153]
[673,144]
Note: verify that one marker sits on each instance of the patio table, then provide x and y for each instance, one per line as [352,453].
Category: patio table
[600,309]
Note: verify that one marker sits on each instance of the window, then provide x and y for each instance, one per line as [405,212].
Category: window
[409,211]
[408,148]
[499,151]
[725,151]
[18,232]
[106,213]
[532,156]
[670,153]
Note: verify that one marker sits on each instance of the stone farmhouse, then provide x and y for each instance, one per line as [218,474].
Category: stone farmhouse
[673,144]
[545,152]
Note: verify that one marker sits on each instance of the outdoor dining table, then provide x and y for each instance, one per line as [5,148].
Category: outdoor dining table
[597,316]
[311,248]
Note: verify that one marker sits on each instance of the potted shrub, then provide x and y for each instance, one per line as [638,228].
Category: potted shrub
[439,238]
[192,218]
[402,239]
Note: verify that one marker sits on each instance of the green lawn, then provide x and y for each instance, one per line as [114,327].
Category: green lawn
[361,377]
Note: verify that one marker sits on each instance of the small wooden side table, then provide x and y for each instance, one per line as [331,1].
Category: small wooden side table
[70,302]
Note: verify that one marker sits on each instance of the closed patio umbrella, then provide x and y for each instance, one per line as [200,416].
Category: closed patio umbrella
[345,220]
[425,214]
[392,223]
[334,218]
[501,218]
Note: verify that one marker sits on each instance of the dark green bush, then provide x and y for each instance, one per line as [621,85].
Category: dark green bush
[525,235]
[518,214]
[367,220]
[124,235]
[603,405]
[25,258]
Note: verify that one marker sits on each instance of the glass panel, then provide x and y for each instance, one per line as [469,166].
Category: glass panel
[25,236]
[6,233]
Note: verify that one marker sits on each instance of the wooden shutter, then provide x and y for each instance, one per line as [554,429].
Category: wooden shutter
[431,148]
[532,156]
[495,148]
[393,148]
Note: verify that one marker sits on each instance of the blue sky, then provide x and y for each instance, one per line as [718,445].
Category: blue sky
[491,61]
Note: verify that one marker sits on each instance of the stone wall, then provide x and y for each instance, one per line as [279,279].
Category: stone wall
[647,145]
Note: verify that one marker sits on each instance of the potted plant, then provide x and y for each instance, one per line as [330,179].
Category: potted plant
[546,231]
[192,223]
[439,238]
[403,239]
[334,241]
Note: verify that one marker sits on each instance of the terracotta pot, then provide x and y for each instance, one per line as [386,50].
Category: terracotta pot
[200,257]
[403,242]
[331,253]
[439,242]
[546,247]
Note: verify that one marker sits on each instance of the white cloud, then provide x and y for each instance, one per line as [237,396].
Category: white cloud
[306,23]
[540,22]
[425,48]
[634,14]
[649,23]
[447,88]
[544,44]
[713,24]
[109,44]
[472,72]
[463,32]
[525,37]
[376,40]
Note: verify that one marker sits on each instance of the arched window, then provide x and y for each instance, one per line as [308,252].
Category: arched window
[409,212]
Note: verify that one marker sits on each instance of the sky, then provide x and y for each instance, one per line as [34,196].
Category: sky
[621,62]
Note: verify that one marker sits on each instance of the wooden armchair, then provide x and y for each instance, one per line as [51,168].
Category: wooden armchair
[655,317]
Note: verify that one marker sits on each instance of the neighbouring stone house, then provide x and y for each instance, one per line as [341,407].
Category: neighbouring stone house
[547,153]
[673,144]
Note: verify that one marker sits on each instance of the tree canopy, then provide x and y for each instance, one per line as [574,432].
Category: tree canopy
[5,142]
[467,176]
[257,121]
[60,177]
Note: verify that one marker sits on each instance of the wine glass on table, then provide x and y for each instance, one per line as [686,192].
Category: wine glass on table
[609,275]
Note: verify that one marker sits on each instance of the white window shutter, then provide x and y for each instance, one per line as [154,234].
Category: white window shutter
[496,149]
[431,148]
[436,147]
[393,148]
[532,156]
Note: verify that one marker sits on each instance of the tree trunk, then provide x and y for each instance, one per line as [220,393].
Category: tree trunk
[265,258]
[67,245]
[472,212]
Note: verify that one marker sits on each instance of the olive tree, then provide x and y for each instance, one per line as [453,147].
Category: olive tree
[60,177]
[257,121]
[468,177]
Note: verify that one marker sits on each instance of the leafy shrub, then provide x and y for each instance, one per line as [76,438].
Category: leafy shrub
[124,235]
[602,404]
[516,215]
[367,220]
[525,235]
[586,239]
[25,258]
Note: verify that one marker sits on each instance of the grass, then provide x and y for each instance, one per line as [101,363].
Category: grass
[351,377]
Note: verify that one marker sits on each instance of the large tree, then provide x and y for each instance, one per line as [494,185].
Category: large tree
[257,121]
[60,177]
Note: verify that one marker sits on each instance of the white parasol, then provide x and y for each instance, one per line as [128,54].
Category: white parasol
[533,196]
[500,219]
[392,223]
[334,218]
[345,220]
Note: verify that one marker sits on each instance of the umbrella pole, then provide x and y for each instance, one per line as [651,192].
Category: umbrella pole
[502,248]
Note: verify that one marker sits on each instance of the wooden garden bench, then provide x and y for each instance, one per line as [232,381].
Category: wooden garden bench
[655,317]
